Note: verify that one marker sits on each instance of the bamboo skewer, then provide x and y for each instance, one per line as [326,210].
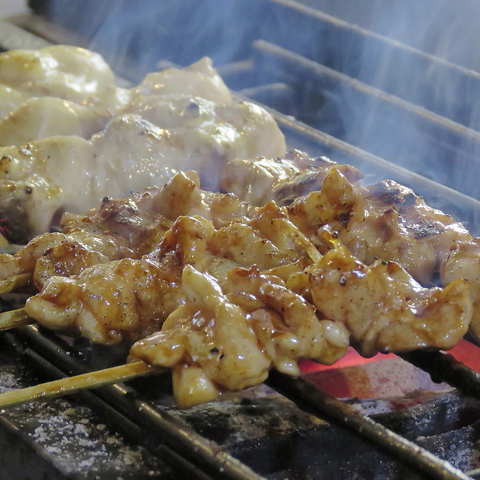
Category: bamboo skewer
[69,385]
[14,318]
[65,386]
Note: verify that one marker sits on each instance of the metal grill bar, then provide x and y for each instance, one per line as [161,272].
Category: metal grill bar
[335,104]
[443,367]
[123,401]
[309,398]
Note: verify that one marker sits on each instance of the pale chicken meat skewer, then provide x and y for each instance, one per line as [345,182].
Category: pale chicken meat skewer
[73,91]
[130,154]
[94,139]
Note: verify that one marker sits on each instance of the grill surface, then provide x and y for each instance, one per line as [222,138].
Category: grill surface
[132,432]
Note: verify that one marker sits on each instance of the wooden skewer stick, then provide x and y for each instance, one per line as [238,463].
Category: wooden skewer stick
[14,318]
[14,282]
[66,386]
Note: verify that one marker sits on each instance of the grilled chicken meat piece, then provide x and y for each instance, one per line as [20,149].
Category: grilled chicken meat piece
[394,224]
[38,118]
[60,71]
[74,174]
[283,180]
[382,306]
[463,262]
[56,90]
[228,339]
[65,90]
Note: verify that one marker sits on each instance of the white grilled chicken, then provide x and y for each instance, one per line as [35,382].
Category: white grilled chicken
[178,119]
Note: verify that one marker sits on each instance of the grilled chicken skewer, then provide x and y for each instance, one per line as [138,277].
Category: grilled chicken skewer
[195,288]
[385,221]
[178,119]
[293,257]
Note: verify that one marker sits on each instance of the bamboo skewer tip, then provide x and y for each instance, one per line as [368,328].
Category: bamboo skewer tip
[14,318]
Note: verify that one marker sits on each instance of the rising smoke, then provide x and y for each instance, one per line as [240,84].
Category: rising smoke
[421,52]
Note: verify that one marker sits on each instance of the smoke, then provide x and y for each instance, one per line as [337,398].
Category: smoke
[134,36]
[420,52]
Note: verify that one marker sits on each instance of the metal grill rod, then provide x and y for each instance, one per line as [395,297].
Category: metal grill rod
[298,135]
[307,397]
[443,367]
[160,425]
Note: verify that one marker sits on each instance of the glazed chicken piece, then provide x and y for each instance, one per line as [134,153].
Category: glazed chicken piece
[214,344]
[382,306]
[385,221]
[463,262]
[130,227]
[93,304]
[192,240]
[123,300]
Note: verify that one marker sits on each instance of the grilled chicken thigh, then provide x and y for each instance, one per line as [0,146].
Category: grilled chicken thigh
[383,307]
